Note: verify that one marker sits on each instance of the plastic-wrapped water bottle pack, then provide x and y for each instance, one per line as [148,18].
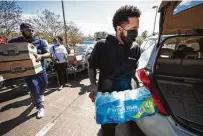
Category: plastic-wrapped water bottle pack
[119,107]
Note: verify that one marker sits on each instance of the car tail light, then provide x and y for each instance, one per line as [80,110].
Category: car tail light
[144,77]
[77,62]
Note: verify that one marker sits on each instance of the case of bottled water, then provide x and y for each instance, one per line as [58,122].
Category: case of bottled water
[119,107]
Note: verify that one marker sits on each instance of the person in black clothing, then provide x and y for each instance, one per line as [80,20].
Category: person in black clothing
[116,58]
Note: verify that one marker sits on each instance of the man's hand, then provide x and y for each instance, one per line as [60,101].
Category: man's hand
[93,92]
[38,57]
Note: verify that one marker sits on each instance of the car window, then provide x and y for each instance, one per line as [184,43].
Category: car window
[169,46]
[167,50]
[80,49]
[185,5]
[180,48]
[143,44]
[89,42]
[195,46]
[145,56]
[146,44]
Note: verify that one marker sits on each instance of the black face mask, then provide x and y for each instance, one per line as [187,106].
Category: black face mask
[131,35]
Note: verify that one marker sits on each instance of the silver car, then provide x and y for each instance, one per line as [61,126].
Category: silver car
[171,68]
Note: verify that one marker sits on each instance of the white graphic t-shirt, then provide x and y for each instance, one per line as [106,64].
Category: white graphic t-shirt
[59,53]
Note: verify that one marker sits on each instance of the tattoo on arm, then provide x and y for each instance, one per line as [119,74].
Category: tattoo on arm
[92,75]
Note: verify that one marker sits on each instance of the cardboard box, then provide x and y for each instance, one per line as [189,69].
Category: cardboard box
[22,68]
[17,51]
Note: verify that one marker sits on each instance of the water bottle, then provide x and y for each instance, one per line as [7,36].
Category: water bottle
[141,93]
[130,106]
[117,110]
[100,99]
[107,97]
[129,95]
[103,102]
[139,105]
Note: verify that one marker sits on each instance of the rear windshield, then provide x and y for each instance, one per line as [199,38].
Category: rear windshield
[147,43]
[173,47]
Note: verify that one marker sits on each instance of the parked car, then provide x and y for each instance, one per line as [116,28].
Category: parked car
[2,41]
[78,59]
[171,68]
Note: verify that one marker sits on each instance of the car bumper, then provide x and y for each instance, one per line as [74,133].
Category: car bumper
[159,125]
[76,69]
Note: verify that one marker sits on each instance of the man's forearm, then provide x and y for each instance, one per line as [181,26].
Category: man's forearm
[46,55]
[92,75]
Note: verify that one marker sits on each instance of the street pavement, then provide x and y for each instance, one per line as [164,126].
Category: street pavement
[68,112]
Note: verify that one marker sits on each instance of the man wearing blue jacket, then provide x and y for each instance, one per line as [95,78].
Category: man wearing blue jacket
[36,83]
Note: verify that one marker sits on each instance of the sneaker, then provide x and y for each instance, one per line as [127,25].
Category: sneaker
[61,87]
[40,113]
[42,98]
[67,85]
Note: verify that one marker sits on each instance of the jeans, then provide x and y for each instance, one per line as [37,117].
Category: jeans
[37,85]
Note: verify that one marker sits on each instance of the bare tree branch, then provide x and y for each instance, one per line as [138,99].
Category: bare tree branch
[101,35]
[10,17]
[47,23]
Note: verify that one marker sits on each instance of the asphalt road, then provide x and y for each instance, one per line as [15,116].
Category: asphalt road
[68,112]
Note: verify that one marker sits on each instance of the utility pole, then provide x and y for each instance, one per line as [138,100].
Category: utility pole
[155,7]
[64,20]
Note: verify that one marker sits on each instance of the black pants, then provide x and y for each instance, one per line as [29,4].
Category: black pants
[61,72]
[110,129]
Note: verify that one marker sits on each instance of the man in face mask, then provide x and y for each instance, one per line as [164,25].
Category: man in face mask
[36,83]
[116,58]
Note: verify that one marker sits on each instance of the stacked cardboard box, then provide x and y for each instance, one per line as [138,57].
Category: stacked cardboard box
[17,60]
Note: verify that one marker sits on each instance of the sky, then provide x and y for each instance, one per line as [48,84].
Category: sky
[93,16]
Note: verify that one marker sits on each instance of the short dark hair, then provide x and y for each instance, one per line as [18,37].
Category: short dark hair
[123,13]
[60,38]
[25,25]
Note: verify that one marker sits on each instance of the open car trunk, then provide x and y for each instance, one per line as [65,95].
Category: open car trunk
[179,66]
[177,19]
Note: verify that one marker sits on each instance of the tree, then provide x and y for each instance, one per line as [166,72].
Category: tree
[48,24]
[144,34]
[88,38]
[14,34]
[42,36]
[10,17]
[74,34]
[101,35]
